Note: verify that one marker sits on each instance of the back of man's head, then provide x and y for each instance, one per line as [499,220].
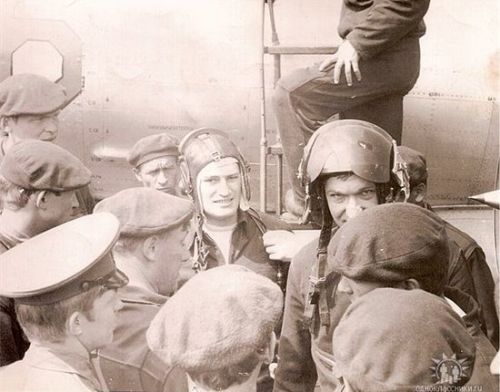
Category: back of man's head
[224,332]
[396,340]
[33,165]
[416,164]
[390,243]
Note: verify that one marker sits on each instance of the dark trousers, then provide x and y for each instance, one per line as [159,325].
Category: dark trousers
[307,98]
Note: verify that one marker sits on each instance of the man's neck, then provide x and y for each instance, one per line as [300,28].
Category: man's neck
[132,265]
[21,222]
[250,385]
[68,347]
[221,228]
[7,142]
[219,222]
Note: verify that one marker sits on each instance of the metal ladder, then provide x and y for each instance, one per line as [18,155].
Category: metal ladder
[276,50]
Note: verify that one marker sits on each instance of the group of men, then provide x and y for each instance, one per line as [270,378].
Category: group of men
[179,285]
[87,301]
[146,232]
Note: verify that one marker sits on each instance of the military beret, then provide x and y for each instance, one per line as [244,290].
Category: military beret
[146,211]
[217,319]
[30,94]
[397,340]
[416,163]
[37,165]
[390,243]
[152,147]
[62,262]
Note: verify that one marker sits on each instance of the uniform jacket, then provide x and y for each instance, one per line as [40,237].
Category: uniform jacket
[43,370]
[13,343]
[472,275]
[128,364]
[297,369]
[373,26]
[247,247]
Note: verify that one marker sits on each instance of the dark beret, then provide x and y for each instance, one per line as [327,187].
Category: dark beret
[151,147]
[37,165]
[390,243]
[394,340]
[30,94]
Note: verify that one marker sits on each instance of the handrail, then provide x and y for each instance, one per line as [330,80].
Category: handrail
[300,50]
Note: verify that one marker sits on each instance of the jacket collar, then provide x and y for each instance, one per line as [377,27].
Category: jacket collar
[138,294]
[57,360]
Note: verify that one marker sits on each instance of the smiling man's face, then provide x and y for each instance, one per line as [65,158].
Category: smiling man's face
[220,191]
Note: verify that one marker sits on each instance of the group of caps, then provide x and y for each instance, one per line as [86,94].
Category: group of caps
[234,318]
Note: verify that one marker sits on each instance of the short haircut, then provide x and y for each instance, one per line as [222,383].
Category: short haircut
[47,323]
[232,375]
[381,189]
[11,195]
[130,243]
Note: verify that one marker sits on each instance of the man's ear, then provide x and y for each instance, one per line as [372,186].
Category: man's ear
[5,123]
[149,247]
[409,284]
[74,324]
[137,174]
[41,199]
[419,193]
[267,353]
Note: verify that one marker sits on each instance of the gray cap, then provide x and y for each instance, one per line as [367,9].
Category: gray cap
[145,211]
[217,319]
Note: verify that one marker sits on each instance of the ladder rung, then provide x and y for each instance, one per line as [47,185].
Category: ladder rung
[275,149]
[291,50]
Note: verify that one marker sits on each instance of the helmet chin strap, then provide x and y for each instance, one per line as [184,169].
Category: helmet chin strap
[400,171]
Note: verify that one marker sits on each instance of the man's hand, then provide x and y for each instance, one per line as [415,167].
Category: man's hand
[278,244]
[284,245]
[347,57]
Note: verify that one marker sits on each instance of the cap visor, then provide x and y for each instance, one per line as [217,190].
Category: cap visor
[116,280]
